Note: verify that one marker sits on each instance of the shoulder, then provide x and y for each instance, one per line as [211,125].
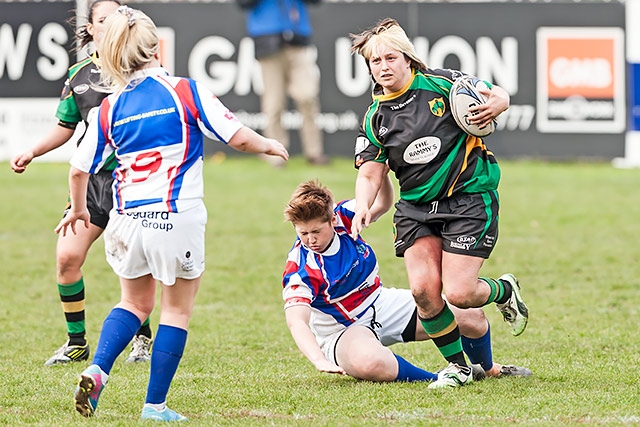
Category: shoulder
[80,65]
[345,211]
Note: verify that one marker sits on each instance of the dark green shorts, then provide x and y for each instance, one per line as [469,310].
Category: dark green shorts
[466,223]
[99,198]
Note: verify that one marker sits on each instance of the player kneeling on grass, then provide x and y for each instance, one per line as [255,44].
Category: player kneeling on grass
[342,318]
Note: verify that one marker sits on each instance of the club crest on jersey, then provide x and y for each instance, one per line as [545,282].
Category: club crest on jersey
[363,250]
[437,106]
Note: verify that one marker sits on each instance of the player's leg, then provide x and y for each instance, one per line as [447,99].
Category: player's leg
[71,252]
[119,327]
[464,289]
[467,242]
[304,89]
[423,261]
[274,100]
[177,303]
[362,356]
[175,253]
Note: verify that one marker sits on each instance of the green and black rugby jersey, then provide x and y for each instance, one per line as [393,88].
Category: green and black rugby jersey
[413,130]
[78,97]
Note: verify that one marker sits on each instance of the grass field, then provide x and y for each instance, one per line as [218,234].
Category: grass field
[569,231]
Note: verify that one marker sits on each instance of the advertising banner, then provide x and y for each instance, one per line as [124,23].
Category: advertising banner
[581,84]
[562,107]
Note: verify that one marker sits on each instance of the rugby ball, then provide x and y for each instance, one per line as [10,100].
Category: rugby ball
[464,95]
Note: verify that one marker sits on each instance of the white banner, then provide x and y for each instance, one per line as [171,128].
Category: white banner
[26,121]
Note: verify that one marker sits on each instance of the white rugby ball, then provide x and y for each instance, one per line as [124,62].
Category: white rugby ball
[464,95]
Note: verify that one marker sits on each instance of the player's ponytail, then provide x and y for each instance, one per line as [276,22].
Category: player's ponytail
[129,43]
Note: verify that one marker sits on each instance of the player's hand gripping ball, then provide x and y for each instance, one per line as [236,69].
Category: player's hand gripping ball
[464,95]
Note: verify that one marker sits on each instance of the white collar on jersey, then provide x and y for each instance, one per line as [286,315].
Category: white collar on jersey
[151,71]
[332,249]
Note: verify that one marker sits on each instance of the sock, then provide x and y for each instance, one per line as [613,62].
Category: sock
[157,406]
[145,329]
[479,349]
[500,290]
[72,298]
[443,330]
[165,358]
[117,331]
[410,373]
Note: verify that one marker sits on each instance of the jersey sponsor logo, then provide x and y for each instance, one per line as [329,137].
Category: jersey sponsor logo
[489,241]
[361,144]
[437,107]
[422,150]
[463,246]
[166,226]
[80,89]
[404,104]
[147,217]
[187,264]
[466,239]
[146,115]
[382,131]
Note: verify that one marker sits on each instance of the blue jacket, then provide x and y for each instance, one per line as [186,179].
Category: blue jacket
[287,18]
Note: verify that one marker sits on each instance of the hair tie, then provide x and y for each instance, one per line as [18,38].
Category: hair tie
[128,12]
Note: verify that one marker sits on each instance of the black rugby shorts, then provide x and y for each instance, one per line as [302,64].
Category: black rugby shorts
[466,223]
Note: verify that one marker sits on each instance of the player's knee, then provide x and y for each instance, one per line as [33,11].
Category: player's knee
[68,262]
[472,322]
[427,303]
[459,298]
[368,366]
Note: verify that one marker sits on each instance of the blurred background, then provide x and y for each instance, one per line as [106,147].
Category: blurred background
[571,67]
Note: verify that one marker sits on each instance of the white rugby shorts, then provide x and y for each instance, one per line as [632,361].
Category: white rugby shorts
[166,245]
[393,311]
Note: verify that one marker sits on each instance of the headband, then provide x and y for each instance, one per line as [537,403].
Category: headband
[128,12]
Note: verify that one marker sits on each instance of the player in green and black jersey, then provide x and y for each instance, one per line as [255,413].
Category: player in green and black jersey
[78,99]
[446,221]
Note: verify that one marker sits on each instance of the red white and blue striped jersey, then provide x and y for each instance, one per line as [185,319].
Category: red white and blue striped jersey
[156,127]
[342,281]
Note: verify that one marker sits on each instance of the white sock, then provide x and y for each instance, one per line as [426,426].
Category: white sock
[157,406]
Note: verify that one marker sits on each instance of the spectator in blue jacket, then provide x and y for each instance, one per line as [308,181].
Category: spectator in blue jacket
[281,31]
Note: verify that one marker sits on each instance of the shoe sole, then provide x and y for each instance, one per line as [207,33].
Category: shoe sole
[522,307]
[523,311]
[83,404]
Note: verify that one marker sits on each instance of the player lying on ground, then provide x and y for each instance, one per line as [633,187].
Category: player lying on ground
[339,314]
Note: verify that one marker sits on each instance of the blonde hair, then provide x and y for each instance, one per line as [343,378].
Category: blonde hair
[310,201]
[129,43]
[386,32]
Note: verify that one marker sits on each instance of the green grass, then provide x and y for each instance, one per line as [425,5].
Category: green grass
[568,231]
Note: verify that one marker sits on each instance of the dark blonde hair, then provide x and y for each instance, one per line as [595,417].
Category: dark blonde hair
[129,43]
[389,33]
[310,201]
[81,34]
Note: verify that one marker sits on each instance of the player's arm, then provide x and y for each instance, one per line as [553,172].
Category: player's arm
[384,199]
[368,183]
[217,122]
[55,138]
[247,140]
[78,211]
[497,101]
[298,322]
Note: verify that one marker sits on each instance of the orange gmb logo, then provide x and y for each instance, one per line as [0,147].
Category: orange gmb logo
[581,66]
